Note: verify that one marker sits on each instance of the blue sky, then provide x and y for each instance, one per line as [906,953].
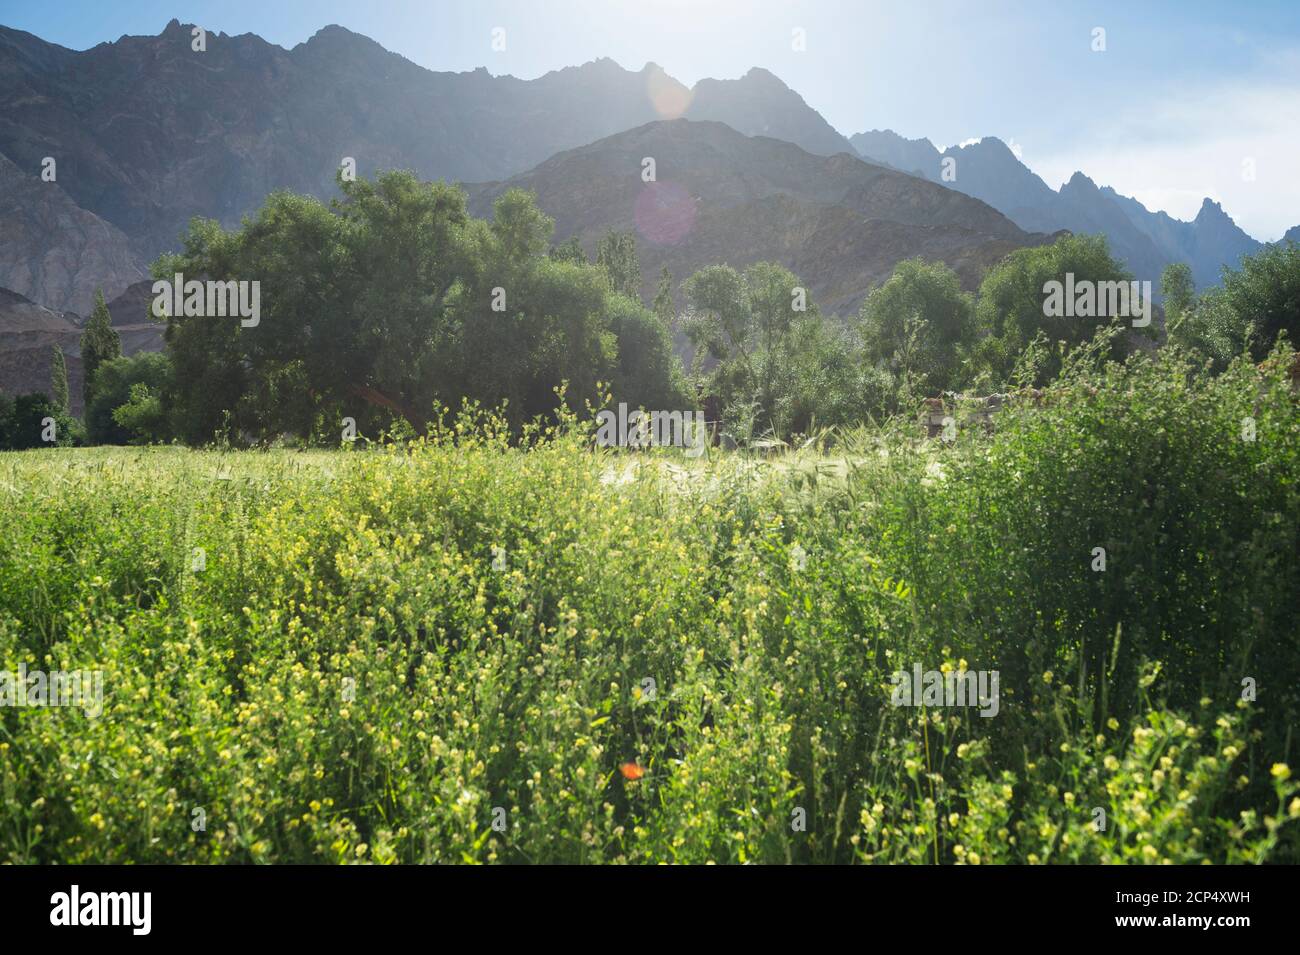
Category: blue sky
[1184,94]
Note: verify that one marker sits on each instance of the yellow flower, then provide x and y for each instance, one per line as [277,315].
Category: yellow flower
[1280,771]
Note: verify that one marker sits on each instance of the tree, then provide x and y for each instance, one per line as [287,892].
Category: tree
[99,343]
[663,302]
[616,254]
[647,372]
[771,353]
[1011,309]
[1265,292]
[116,384]
[1178,289]
[142,416]
[1212,327]
[569,251]
[33,421]
[58,379]
[917,324]
[388,302]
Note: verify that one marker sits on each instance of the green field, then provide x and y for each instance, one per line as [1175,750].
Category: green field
[376,655]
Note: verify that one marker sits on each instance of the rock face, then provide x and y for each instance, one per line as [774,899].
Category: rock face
[838,223]
[148,132]
[55,252]
[1145,241]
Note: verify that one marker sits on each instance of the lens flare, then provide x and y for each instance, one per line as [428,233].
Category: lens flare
[665,212]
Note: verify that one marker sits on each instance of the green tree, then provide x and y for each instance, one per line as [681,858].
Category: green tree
[142,416]
[767,348]
[1265,292]
[99,343]
[116,382]
[1011,309]
[663,302]
[569,251]
[388,302]
[917,324]
[30,419]
[58,379]
[647,372]
[616,254]
[1178,289]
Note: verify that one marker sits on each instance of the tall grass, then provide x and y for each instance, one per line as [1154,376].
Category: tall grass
[677,660]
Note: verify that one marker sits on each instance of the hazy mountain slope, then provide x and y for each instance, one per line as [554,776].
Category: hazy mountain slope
[916,156]
[1083,208]
[721,197]
[1207,243]
[149,132]
[54,252]
[1146,241]
[759,104]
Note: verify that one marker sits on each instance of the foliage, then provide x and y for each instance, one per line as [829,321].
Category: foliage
[919,323]
[761,344]
[392,301]
[645,658]
[1266,292]
[58,378]
[1256,305]
[616,255]
[1010,310]
[27,420]
[138,381]
[99,343]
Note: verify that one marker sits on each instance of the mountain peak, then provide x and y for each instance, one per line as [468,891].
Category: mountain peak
[1210,211]
[1080,182]
[759,73]
[332,29]
[333,36]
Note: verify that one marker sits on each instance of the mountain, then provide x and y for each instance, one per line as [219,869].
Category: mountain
[1292,235]
[1207,243]
[28,333]
[839,223]
[1145,241]
[148,132]
[917,156]
[759,104]
[1086,210]
[989,170]
[55,252]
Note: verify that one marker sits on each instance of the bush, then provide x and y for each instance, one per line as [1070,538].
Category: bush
[136,382]
[617,657]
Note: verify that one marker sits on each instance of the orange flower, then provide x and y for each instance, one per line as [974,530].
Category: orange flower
[632,771]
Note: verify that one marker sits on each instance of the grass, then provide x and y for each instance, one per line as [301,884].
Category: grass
[464,650]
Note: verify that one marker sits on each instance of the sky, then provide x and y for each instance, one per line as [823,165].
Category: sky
[1188,99]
